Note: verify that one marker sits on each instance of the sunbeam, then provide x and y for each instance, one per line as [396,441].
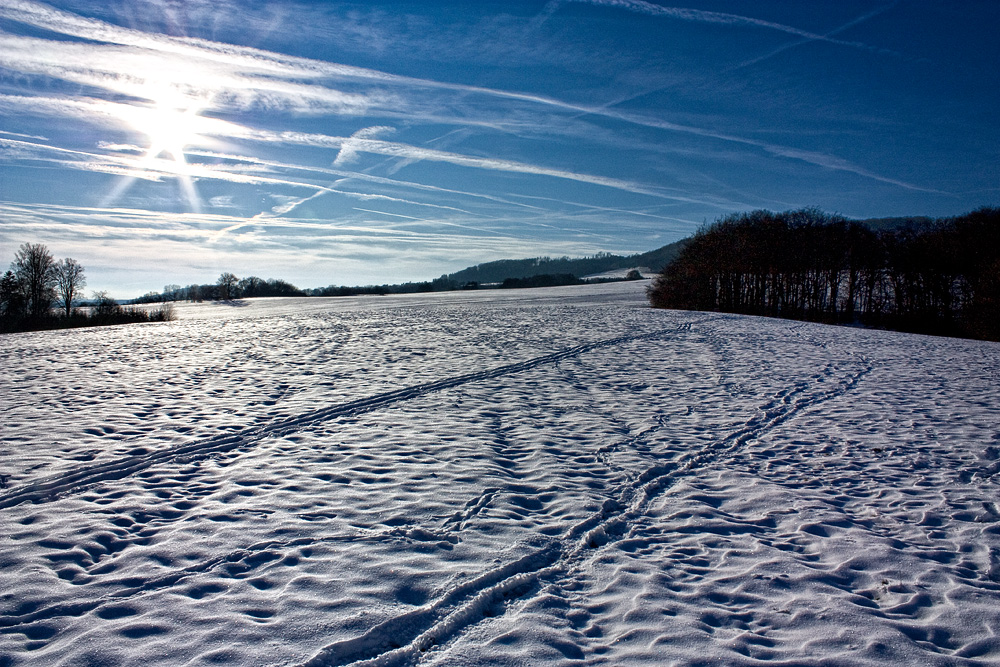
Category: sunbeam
[171,122]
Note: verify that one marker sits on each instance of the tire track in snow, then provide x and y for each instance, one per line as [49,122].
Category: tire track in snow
[403,639]
[49,488]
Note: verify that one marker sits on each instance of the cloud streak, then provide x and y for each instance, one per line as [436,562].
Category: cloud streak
[718,18]
[156,169]
[141,233]
[361,176]
[826,37]
[357,144]
[245,76]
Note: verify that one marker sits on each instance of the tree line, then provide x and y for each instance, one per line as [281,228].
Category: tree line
[446,284]
[938,277]
[227,288]
[36,281]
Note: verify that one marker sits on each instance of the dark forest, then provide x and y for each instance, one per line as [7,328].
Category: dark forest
[937,277]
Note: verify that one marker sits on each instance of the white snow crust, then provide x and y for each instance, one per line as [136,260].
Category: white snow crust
[532,477]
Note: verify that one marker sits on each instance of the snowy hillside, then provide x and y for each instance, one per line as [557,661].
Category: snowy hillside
[529,477]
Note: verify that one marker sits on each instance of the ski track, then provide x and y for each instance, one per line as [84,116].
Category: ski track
[52,487]
[469,603]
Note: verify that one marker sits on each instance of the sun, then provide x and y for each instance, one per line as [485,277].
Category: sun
[171,121]
[171,130]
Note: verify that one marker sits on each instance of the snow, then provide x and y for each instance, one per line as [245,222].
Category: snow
[620,274]
[527,477]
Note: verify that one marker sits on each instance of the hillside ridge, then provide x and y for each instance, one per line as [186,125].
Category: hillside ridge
[502,269]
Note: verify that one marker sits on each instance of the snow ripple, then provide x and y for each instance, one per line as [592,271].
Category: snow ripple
[438,622]
[546,478]
[52,487]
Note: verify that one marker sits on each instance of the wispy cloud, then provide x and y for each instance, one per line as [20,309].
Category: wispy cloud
[155,169]
[349,147]
[20,135]
[811,157]
[436,223]
[359,176]
[354,144]
[361,250]
[359,144]
[720,18]
[610,209]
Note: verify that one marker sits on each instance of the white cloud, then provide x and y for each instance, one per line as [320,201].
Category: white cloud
[19,135]
[173,248]
[222,201]
[347,176]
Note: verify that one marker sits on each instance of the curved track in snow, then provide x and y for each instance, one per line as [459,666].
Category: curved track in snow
[45,489]
[401,640]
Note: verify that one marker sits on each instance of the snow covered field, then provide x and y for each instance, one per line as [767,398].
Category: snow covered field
[531,477]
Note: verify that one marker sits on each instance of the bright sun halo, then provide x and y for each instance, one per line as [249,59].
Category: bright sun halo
[171,121]
[171,124]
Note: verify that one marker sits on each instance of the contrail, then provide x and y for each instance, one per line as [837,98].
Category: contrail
[835,31]
[722,18]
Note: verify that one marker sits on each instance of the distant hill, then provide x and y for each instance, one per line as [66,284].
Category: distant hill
[500,270]
[503,269]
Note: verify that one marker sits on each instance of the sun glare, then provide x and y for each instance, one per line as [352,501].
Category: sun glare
[170,131]
[171,123]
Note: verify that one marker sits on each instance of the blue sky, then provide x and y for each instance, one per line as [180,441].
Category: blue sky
[166,141]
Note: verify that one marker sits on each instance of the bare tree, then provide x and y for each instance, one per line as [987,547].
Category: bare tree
[105,308]
[70,282]
[34,268]
[227,286]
